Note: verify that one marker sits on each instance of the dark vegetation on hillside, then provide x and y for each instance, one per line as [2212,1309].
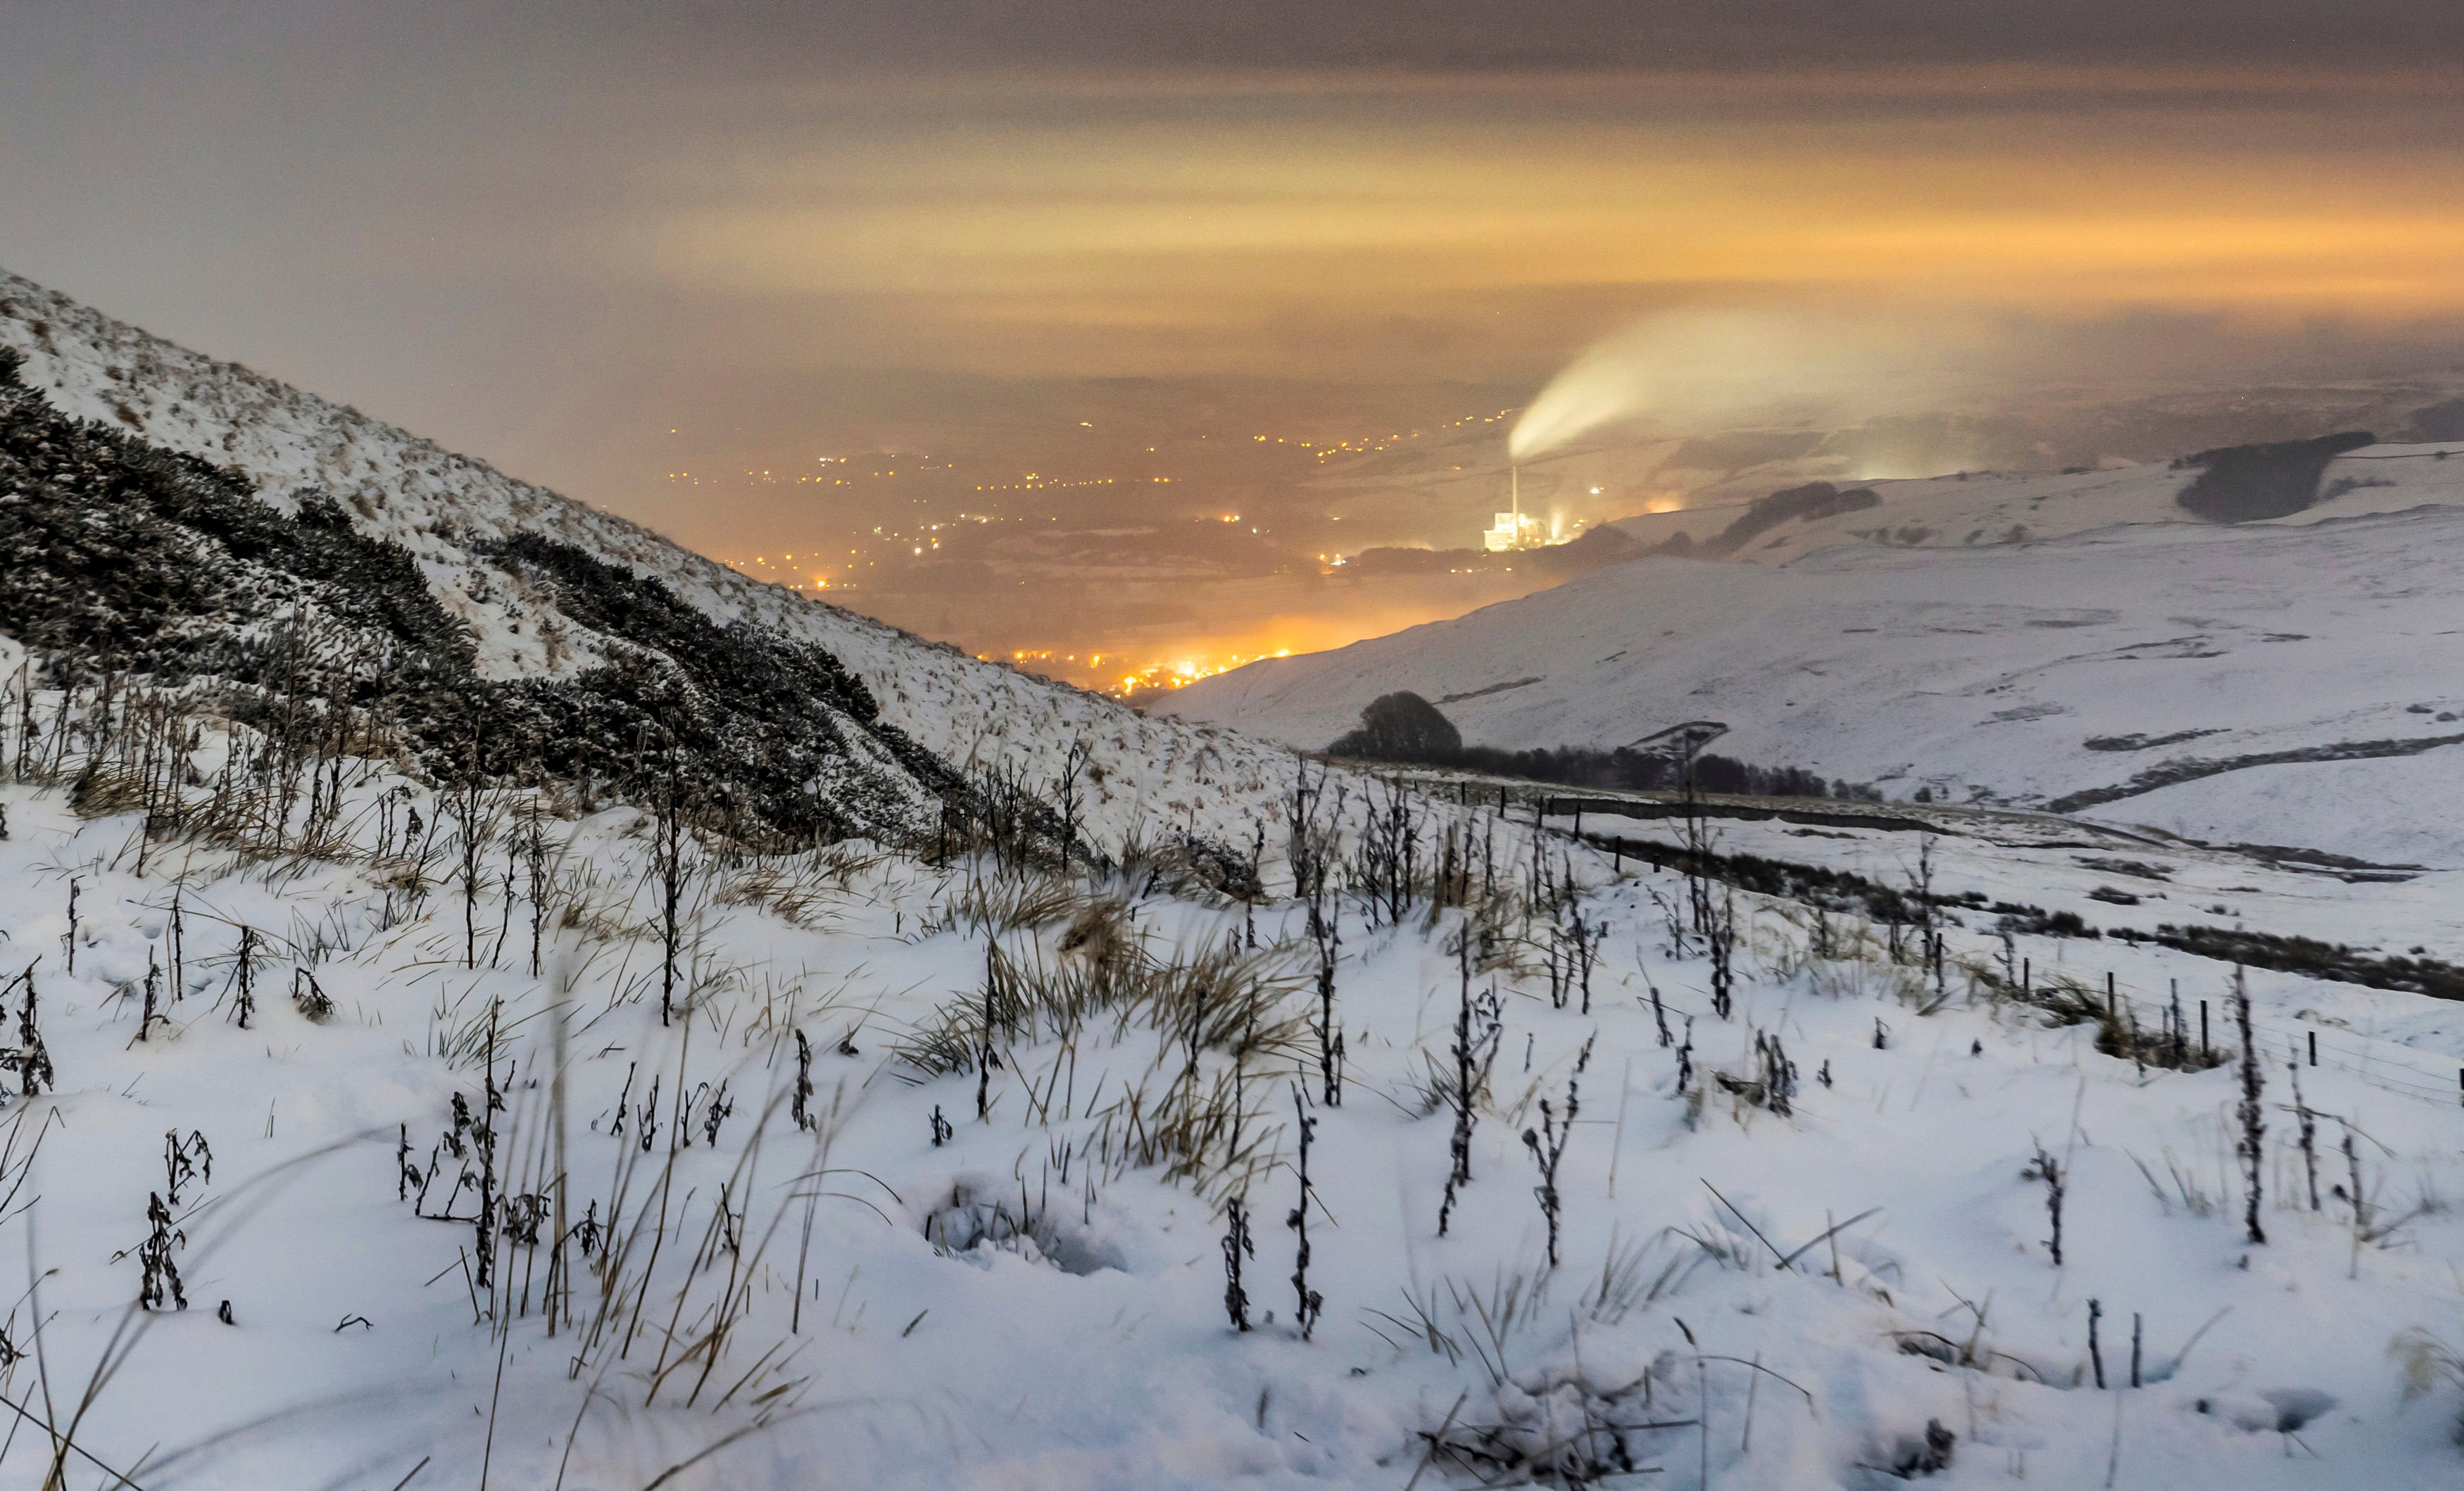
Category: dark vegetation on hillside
[2242,484]
[1408,730]
[1845,891]
[120,558]
[2167,774]
[2309,956]
[1816,499]
[2440,421]
[774,722]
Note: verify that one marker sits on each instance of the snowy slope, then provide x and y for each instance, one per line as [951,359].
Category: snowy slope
[884,1327]
[400,488]
[2119,649]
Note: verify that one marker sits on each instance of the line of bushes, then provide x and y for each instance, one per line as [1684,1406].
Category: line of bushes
[1408,730]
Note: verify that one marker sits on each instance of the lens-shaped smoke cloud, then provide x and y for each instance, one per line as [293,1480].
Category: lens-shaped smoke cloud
[1693,371]
[1699,369]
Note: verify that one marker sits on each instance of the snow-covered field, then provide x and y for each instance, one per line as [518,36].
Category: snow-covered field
[2118,643]
[850,1303]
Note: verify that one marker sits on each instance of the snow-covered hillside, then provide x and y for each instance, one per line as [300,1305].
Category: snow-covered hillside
[370,1120]
[799,1228]
[397,487]
[2077,642]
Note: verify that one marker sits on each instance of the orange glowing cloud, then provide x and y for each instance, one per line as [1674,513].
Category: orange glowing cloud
[1083,211]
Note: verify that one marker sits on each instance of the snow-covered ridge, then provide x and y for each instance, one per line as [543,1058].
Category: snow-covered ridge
[2267,682]
[399,487]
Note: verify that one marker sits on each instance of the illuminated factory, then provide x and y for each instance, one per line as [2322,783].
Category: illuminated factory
[1515,529]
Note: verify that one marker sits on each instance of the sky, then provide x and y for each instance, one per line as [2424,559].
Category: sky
[551,234]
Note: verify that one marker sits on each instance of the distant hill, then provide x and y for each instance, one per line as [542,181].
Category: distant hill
[2080,641]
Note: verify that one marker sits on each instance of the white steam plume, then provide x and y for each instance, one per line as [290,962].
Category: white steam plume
[1689,370]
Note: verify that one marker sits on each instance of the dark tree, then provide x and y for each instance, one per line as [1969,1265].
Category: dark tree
[2241,484]
[1401,727]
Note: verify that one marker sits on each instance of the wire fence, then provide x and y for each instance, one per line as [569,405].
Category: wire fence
[2382,1063]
